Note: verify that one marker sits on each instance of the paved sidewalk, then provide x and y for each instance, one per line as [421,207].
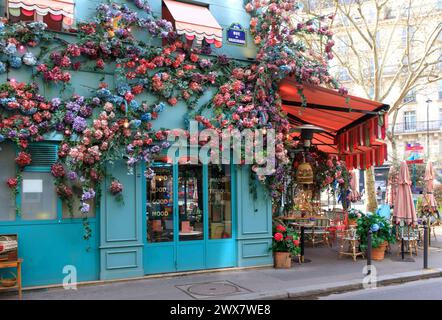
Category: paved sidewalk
[325,274]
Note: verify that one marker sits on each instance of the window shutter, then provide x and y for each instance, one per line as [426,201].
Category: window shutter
[43,154]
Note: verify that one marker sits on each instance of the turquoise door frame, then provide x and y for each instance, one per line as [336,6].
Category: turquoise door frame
[190,255]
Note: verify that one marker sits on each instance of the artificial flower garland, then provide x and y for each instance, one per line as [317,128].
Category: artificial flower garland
[110,124]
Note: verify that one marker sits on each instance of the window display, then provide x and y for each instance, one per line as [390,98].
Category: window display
[190,202]
[159,206]
[220,203]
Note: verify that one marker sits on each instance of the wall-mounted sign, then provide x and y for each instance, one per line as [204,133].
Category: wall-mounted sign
[236,34]
[414,153]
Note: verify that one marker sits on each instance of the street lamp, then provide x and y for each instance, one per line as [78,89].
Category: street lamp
[428,127]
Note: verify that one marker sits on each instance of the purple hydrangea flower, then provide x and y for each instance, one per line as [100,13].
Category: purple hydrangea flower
[79,124]
[88,194]
[72,176]
[85,207]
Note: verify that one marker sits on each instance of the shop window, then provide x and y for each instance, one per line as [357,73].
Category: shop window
[7,170]
[190,202]
[57,14]
[38,197]
[159,205]
[220,202]
[38,193]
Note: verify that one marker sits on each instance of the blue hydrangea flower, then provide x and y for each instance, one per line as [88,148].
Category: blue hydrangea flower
[375,227]
[159,107]
[123,88]
[15,62]
[2,138]
[285,68]
[104,94]
[135,123]
[134,105]
[2,68]
[10,49]
[146,117]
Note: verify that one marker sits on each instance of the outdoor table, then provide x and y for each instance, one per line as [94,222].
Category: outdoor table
[302,226]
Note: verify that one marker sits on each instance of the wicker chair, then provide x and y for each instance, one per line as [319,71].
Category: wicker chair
[350,244]
[411,236]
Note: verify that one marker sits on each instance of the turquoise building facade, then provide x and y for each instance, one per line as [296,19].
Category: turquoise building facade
[192,217]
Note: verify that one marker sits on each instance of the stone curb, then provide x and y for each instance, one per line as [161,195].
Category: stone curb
[312,292]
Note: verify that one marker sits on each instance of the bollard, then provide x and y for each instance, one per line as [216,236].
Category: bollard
[425,245]
[369,252]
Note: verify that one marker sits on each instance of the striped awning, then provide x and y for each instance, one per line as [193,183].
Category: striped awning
[193,21]
[56,9]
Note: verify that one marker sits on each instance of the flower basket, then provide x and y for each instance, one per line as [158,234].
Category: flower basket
[283,260]
[8,282]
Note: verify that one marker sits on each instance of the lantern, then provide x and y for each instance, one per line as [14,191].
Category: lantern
[304,175]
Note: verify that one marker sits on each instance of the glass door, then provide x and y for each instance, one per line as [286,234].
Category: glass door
[159,205]
[189,218]
[190,203]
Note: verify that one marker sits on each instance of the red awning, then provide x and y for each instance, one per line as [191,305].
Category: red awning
[193,21]
[355,128]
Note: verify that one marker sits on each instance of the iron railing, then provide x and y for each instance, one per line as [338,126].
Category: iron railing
[417,126]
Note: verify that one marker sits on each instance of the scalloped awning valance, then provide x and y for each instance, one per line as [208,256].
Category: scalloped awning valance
[57,9]
[193,21]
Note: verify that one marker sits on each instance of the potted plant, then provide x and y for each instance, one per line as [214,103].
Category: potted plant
[285,244]
[353,216]
[382,234]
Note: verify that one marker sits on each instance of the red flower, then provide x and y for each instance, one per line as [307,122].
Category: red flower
[278,236]
[12,183]
[116,187]
[172,101]
[57,170]
[23,159]
[280,228]
[100,64]
[64,191]
[296,242]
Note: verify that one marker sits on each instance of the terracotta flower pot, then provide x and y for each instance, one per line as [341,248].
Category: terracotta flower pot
[283,260]
[379,253]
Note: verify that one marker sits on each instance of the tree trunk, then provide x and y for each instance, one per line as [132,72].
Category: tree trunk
[370,190]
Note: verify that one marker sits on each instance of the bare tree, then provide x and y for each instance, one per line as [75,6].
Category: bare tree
[388,49]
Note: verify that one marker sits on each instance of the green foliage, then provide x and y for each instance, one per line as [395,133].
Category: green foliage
[382,230]
[285,240]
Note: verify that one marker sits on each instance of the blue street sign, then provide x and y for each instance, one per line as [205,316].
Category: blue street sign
[236,34]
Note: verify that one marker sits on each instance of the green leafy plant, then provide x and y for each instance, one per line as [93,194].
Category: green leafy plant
[285,240]
[381,230]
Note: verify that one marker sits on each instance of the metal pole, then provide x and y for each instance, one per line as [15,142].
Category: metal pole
[425,245]
[302,244]
[428,128]
[369,252]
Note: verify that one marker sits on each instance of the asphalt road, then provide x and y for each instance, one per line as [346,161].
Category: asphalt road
[418,290]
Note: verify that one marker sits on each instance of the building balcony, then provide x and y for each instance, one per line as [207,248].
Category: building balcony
[417,126]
